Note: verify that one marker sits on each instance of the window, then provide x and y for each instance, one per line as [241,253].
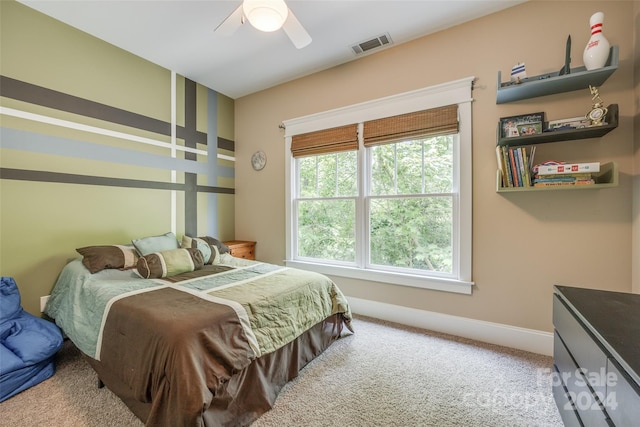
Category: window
[410,205]
[381,191]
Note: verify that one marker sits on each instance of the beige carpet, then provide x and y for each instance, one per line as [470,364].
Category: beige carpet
[383,375]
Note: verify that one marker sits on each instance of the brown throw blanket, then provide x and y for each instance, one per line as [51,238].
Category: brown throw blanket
[178,359]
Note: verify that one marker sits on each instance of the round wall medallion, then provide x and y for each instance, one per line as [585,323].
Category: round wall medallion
[258,160]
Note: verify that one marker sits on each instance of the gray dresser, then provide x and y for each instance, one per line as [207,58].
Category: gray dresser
[596,357]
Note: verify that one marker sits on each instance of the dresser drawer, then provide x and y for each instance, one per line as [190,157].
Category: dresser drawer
[623,397]
[570,417]
[584,401]
[581,345]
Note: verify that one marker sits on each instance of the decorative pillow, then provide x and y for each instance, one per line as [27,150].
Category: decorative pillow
[215,255]
[222,248]
[97,258]
[169,263]
[149,245]
[194,242]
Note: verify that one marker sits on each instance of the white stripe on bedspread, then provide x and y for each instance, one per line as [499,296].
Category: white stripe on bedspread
[249,280]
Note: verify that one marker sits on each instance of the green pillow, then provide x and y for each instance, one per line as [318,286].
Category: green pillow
[169,263]
[149,245]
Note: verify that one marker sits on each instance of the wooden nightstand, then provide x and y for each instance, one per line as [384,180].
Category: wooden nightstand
[242,249]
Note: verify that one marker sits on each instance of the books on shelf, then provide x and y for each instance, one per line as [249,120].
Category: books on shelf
[556,184]
[551,174]
[563,178]
[555,168]
[515,164]
[517,169]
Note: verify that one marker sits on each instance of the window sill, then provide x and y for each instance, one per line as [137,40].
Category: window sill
[439,284]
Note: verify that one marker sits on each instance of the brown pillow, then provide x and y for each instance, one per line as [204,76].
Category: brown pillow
[222,248]
[169,263]
[97,258]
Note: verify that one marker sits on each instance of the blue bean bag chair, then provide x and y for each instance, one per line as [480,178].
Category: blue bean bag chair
[28,344]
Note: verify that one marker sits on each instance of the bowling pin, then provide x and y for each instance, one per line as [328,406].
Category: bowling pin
[596,52]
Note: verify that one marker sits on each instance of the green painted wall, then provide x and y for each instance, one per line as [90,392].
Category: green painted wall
[87,179]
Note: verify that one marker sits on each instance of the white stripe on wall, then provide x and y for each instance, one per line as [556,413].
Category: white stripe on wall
[96,130]
[174,213]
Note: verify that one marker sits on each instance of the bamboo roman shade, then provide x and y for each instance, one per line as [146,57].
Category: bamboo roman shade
[436,121]
[343,138]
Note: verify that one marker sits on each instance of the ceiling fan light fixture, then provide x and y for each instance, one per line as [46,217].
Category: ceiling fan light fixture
[266,15]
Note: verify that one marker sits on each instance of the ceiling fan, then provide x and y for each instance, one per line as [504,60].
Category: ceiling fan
[268,16]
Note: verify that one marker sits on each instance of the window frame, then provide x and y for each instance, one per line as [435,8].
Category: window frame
[455,92]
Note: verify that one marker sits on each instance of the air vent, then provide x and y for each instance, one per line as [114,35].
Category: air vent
[371,44]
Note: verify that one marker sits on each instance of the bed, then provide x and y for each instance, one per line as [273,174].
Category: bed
[210,346]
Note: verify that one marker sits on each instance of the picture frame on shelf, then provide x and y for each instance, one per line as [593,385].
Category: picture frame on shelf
[523,125]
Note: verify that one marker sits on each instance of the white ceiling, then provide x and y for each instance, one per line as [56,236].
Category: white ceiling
[179,34]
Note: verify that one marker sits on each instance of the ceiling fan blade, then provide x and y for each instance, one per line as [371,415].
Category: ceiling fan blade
[296,32]
[231,23]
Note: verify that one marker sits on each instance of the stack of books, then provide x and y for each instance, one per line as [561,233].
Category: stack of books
[515,165]
[551,174]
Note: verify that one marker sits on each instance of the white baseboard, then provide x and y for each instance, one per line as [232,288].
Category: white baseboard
[495,333]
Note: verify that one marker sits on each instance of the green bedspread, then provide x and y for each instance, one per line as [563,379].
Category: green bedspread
[275,304]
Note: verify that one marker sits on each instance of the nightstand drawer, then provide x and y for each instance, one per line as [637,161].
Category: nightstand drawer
[242,249]
[244,252]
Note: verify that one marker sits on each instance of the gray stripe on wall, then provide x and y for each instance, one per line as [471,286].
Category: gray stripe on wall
[38,143]
[67,178]
[190,195]
[226,144]
[212,177]
[34,94]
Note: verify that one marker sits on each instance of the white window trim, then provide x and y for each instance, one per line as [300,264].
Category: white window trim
[456,92]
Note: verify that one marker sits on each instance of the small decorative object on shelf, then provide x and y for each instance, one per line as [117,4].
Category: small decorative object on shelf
[598,111]
[596,52]
[566,68]
[518,73]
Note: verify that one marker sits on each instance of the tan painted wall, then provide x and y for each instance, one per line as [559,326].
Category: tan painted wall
[523,244]
[635,258]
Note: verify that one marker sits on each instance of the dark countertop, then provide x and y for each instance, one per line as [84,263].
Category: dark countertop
[614,318]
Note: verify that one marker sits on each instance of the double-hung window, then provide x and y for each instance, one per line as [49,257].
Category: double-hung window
[381,191]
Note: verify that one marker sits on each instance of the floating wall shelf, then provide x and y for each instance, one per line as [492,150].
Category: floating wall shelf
[611,120]
[606,178]
[547,84]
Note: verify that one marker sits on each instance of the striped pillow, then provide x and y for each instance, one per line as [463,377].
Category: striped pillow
[169,263]
[98,258]
[194,242]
